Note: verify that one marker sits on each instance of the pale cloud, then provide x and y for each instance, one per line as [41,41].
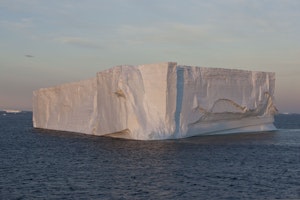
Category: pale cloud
[29,56]
[22,24]
[79,42]
[173,33]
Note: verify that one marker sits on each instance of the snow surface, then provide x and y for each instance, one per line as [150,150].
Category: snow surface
[159,101]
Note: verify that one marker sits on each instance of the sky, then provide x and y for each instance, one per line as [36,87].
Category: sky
[45,43]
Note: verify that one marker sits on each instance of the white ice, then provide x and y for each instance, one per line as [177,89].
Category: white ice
[159,101]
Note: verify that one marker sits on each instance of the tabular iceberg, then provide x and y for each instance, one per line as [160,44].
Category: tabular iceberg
[159,101]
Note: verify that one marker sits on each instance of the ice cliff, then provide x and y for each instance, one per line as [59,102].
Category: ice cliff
[159,101]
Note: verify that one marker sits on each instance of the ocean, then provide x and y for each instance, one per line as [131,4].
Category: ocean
[39,164]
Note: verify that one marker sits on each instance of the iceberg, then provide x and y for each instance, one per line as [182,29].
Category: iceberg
[12,111]
[159,101]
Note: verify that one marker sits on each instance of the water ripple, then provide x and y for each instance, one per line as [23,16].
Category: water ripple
[37,164]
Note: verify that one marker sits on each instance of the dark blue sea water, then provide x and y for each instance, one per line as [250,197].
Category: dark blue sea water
[38,164]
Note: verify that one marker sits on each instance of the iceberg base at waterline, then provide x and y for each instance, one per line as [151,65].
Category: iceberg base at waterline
[159,101]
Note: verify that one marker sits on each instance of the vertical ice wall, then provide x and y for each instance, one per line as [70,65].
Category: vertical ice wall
[216,99]
[68,107]
[137,101]
[159,101]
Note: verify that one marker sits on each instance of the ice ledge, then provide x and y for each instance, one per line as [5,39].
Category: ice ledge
[159,101]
